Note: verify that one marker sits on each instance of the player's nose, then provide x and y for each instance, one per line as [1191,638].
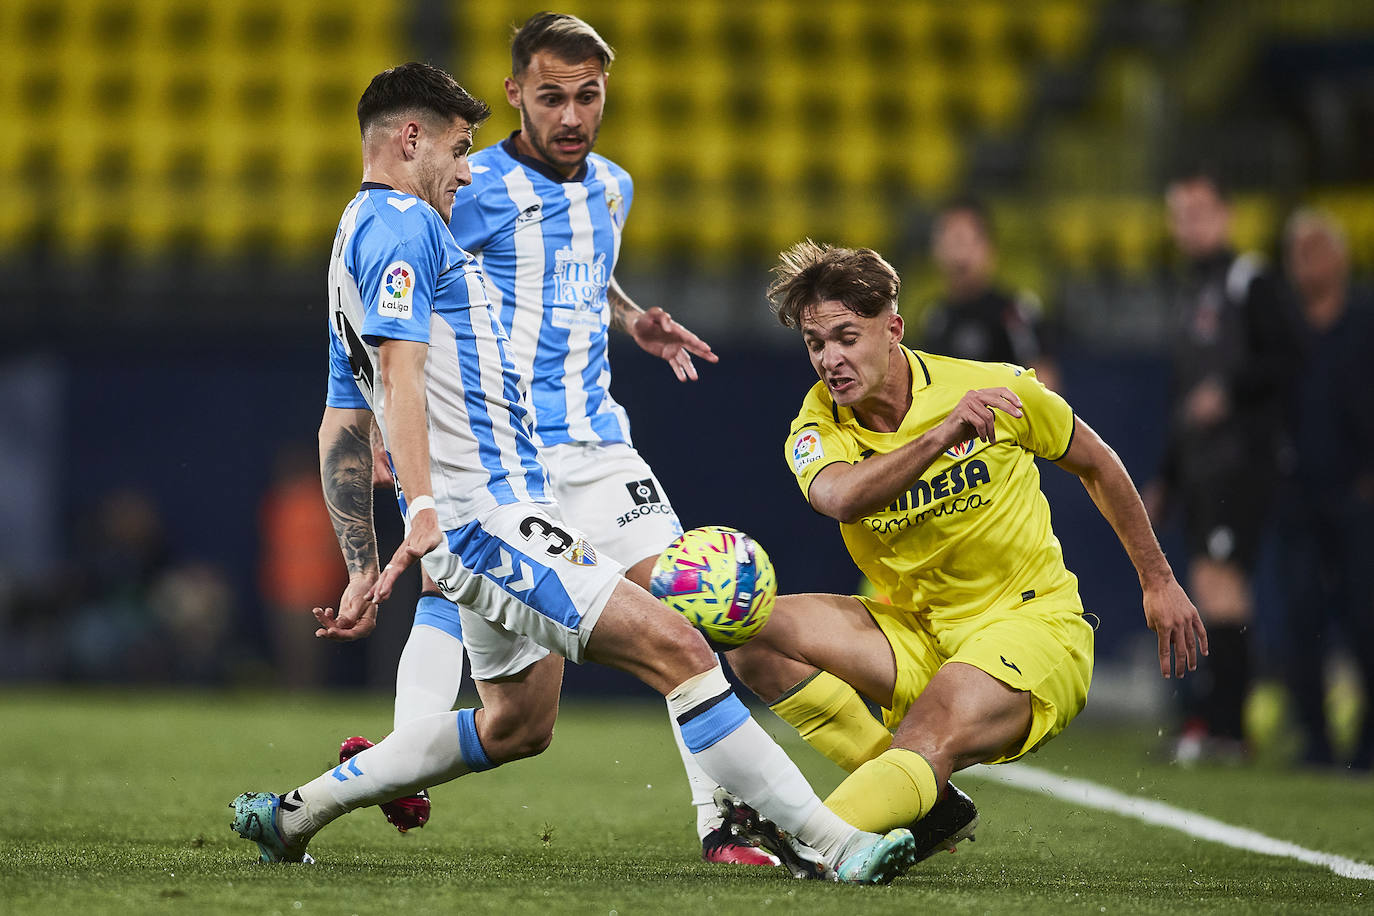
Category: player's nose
[464,173]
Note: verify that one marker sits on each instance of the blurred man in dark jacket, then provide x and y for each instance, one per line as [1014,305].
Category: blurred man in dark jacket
[1326,505]
[974,318]
[1232,363]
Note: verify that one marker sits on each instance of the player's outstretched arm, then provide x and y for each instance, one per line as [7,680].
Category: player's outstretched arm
[1168,610]
[658,334]
[346,467]
[848,492]
[402,364]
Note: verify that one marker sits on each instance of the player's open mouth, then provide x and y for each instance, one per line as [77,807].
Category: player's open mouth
[568,144]
[839,384]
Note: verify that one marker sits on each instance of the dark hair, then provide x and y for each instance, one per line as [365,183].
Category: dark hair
[975,208]
[809,273]
[418,87]
[566,37]
[1200,173]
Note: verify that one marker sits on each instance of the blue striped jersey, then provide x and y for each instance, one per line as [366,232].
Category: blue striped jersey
[397,274]
[548,247]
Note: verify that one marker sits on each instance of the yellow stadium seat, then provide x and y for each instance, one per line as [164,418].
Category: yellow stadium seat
[985,23]
[930,161]
[1134,227]
[996,94]
[1060,27]
[1073,233]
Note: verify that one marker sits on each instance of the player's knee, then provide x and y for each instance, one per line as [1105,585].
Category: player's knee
[757,666]
[515,737]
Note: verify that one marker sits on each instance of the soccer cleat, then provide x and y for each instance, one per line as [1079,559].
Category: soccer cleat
[945,826]
[879,862]
[255,818]
[722,848]
[403,813]
[750,828]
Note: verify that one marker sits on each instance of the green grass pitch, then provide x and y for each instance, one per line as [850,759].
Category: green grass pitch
[116,802]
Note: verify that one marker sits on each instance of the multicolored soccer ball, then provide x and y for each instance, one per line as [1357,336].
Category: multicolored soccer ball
[721,580]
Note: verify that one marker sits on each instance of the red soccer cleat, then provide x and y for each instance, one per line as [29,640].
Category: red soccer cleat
[402,813]
[720,847]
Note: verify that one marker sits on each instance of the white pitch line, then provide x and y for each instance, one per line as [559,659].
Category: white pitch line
[1092,795]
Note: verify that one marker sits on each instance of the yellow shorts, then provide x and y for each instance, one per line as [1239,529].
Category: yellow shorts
[1043,646]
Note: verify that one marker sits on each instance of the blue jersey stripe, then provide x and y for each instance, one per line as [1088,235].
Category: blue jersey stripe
[529,580]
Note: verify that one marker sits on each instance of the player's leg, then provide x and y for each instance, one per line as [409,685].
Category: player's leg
[813,663]
[1012,681]
[610,493]
[638,635]
[423,752]
[430,669]
[838,632]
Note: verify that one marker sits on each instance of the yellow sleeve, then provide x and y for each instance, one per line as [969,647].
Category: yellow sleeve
[1045,427]
[816,442]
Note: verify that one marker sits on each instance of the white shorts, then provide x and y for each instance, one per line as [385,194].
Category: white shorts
[608,491]
[526,585]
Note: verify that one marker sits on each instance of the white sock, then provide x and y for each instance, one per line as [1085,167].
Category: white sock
[831,836]
[735,752]
[420,753]
[429,673]
[703,787]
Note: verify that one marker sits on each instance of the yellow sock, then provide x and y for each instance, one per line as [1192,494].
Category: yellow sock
[833,719]
[889,791]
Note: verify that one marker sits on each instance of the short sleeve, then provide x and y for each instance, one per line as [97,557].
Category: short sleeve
[343,391]
[815,443]
[1046,425]
[408,276]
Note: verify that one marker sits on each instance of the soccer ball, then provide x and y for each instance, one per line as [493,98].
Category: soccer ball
[721,580]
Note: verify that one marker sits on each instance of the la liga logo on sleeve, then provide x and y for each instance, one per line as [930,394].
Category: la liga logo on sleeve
[398,282]
[806,448]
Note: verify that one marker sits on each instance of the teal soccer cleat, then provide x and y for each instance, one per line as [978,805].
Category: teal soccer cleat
[255,818]
[880,862]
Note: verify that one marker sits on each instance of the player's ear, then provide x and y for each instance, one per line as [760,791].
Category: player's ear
[512,92]
[896,326]
[410,139]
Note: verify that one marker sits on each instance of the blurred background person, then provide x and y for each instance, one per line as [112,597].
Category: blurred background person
[299,567]
[1231,364]
[974,318]
[1326,507]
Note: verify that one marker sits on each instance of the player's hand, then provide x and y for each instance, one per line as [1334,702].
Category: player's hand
[357,613]
[1176,622]
[973,416]
[657,333]
[423,537]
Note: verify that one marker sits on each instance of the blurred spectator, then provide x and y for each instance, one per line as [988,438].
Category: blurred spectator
[975,319]
[113,633]
[301,566]
[1326,506]
[1231,367]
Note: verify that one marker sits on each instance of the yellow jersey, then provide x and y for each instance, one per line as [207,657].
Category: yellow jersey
[974,532]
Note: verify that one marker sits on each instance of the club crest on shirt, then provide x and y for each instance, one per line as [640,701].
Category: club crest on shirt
[806,448]
[394,295]
[962,449]
[581,553]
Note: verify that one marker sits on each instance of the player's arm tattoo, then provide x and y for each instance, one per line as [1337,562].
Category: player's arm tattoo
[623,311]
[347,476]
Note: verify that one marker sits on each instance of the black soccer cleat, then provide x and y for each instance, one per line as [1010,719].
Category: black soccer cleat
[750,828]
[950,822]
